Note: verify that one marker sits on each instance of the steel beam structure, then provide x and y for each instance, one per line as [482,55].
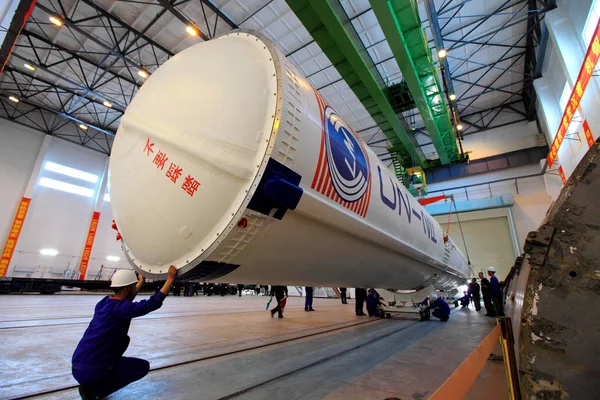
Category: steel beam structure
[401,25]
[20,16]
[330,27]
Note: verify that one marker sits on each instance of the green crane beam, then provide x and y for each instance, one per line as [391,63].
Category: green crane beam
[330,27]
[401,25]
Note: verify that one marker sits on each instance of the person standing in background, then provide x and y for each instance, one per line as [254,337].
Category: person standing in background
[280,293]
[309,299]
[486,297]
[495,293]
[360,294]
[343,295]
[475,293]
[240,288]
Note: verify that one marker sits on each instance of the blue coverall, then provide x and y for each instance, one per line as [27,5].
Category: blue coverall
[440,309]
[309,298]
[495,293]
[98,362]
[464,301]
[372,303]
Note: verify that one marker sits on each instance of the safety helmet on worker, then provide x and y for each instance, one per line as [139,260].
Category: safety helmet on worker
[491,269]
[122,278]
[433,297]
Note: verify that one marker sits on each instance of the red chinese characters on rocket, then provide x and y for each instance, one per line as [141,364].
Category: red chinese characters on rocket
[173,171]
[190,185]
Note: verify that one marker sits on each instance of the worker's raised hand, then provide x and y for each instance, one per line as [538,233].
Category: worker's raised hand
[172,272]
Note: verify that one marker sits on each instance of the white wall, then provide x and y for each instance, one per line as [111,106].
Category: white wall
[530,195]
[565,54]
[521,135]
[19,147]
[487,238]
[56,219]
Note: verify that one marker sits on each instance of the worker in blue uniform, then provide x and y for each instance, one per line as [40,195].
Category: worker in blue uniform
[436,306]
[464,301]
[495,292]
[98,362]
[309,299]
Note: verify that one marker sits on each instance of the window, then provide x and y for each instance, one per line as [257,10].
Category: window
[72,172]
[590,24]
[66,187]
[564,100]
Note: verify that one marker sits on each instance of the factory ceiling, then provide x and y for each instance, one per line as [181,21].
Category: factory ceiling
[75,80]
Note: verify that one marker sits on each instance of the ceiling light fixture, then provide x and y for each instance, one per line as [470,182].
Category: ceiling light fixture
[107,104]
[84,127]
[452,97]
[459,127]
[442,53]
[29,67]
[113,258]
[191,30]
[56,21]
[49,252]
[13,98]
[143,73]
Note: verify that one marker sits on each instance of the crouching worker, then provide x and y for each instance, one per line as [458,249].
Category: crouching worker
[98,362]
[437,306]
[464,301]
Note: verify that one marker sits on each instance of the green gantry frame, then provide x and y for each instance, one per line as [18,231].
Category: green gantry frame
[401,25]
[330,27]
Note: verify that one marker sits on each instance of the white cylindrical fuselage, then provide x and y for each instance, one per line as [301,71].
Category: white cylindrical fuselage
[229,165]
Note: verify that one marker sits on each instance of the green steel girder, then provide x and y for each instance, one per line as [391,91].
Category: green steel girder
[401,25]
[330,27]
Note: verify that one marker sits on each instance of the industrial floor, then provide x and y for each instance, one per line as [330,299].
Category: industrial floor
[229,347]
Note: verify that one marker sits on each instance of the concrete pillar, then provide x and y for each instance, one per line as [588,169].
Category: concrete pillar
[550,107]
[569,44]
[12,236]
[91,236]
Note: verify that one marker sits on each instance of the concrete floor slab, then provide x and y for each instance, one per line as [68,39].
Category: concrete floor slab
[332,353]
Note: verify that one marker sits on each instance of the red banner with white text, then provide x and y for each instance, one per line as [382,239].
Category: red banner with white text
[587,69]
[13,235]
[87,249]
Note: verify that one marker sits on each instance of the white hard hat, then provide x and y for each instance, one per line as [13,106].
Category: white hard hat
[122,278]
[491,269]
[433,297]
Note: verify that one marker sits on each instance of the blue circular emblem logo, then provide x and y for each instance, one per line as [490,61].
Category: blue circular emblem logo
[348,164]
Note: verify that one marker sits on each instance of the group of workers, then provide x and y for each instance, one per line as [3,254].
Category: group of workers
[492,294]
[100,368]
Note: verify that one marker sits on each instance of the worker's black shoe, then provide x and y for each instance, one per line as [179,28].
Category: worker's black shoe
[87,393]
[311,309]
[281,316]
[272,313]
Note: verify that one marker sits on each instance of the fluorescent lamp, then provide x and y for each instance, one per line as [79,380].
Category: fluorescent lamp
[29,67]
[13,99]
[84,127]
[66,187]
[72,172]
[113,258]
[49,252]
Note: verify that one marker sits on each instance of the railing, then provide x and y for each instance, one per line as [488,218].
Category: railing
[485,190]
